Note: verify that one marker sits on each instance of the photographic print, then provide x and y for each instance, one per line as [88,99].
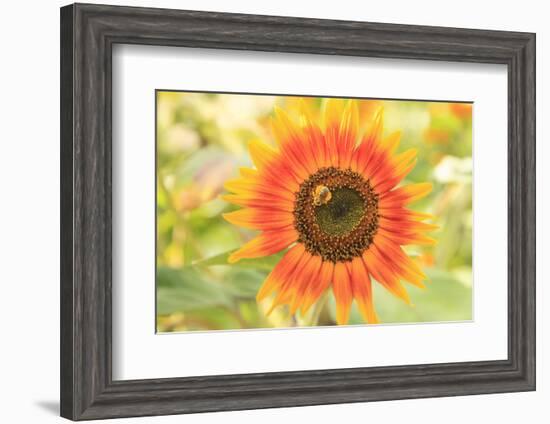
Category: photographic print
[281,211]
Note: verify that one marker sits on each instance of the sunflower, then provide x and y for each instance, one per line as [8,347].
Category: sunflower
[329,196]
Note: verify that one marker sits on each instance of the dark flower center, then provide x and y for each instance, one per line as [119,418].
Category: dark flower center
[336,214]
[342,213]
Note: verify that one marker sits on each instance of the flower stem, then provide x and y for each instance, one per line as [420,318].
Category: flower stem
[317,309]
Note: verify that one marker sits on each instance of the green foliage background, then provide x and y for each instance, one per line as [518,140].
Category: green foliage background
[201,142]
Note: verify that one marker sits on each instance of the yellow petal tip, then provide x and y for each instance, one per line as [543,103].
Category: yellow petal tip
[234,257]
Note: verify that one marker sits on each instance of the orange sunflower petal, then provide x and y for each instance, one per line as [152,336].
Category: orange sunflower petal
[332,117]
[398,267]
[292,144]
[393,171]
[368,147]
[261,154]
[267,243]
[333,109]
[283,182]
[318,286]
[347,134]
[341,287]
[313,134]
[282,270]
[258,201]
[246,186]
[382,273]
[395,251]
[405,226]
[406,239]
[310,275]
[362,290]
[401,213]
[271,163]
[248,172]
[382,156]
[341,123]
[404,195]
[260,218]
[295,277]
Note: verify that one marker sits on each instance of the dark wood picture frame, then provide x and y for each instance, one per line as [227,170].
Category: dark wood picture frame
[88,33]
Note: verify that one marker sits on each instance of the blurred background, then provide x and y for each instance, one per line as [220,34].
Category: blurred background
[201,142]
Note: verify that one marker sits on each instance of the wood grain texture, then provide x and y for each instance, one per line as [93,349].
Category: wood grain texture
[88,33]
[66,213]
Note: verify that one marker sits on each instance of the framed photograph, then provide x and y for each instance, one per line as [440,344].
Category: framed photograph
[262,212]
[314,214]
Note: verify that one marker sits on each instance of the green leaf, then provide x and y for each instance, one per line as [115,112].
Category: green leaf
[261,264]
[187,290]
[443,299]
[244,283]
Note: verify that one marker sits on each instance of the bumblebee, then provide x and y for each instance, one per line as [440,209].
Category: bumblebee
[321,195]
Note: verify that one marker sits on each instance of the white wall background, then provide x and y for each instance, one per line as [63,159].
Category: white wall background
[29,210]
